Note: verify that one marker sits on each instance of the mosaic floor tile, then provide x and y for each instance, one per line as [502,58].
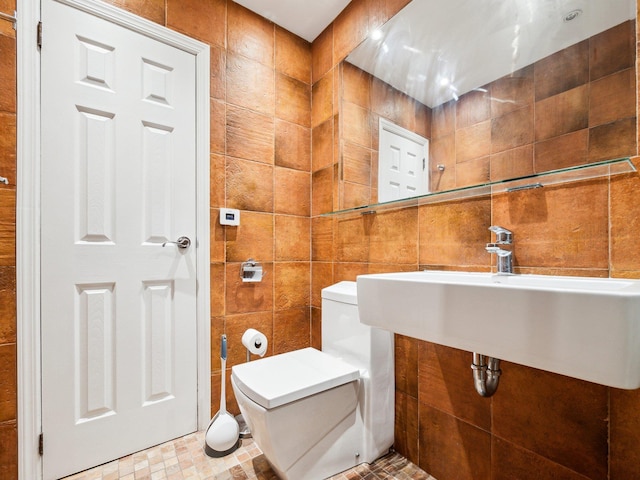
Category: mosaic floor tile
[184,459]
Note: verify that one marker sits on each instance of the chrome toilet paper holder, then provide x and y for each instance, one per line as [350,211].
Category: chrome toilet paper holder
[251,271]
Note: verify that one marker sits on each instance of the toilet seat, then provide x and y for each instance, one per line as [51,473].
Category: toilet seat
[285,378]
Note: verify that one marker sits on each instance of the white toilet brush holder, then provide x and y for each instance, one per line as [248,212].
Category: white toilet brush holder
[255,342]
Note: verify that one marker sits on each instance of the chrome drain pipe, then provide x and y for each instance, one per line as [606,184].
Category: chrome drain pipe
[486,374]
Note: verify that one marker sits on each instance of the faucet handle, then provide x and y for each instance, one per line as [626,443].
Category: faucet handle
[503,236]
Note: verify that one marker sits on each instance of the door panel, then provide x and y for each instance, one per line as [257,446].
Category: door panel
[119,366]
[94,324]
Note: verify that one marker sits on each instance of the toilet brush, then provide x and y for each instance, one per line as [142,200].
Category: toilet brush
[223,434]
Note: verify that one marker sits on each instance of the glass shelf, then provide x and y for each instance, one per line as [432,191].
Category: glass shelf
[554,177]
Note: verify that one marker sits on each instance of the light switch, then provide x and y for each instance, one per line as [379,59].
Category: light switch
[229,216]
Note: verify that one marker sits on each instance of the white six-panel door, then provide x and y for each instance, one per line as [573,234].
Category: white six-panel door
[119,365]
[403,163]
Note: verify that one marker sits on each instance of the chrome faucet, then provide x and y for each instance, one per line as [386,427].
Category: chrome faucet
[504,257]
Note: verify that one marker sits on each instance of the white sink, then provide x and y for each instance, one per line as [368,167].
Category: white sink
[587,328]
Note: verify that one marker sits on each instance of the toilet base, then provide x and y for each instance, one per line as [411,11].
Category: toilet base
[313,438]
[337,451]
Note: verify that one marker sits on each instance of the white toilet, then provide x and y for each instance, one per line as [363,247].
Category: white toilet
[315,414]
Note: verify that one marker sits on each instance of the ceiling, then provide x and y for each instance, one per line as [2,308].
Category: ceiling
[305,18]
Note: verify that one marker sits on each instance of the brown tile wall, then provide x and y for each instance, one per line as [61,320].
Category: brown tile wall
[539,424]
[8,352]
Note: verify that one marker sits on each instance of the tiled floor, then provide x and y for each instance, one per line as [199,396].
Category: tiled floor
[184,459]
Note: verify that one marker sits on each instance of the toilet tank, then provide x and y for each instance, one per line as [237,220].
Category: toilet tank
[371,350]
[344,336]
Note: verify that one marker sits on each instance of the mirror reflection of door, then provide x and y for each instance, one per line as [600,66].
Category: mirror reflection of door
[403,163]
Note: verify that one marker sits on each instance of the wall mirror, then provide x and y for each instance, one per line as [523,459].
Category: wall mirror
[500,90]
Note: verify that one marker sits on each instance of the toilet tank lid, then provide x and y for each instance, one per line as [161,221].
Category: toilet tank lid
[345,292]
[285,378]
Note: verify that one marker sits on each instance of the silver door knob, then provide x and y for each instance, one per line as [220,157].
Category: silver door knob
[182,242]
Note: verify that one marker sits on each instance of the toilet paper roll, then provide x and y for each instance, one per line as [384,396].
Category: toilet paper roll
[255,341]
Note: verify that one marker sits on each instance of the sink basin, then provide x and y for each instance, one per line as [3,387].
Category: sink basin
[587,328]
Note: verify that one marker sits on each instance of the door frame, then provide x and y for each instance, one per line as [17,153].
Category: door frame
[28,241]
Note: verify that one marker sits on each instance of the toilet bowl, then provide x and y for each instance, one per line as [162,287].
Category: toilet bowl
[316,413]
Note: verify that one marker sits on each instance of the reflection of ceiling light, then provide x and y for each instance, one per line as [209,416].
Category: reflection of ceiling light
[446,83]
[411,49]
[572,15]
[376,34]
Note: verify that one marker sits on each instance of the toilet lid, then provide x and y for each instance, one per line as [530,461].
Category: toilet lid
[284,378]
